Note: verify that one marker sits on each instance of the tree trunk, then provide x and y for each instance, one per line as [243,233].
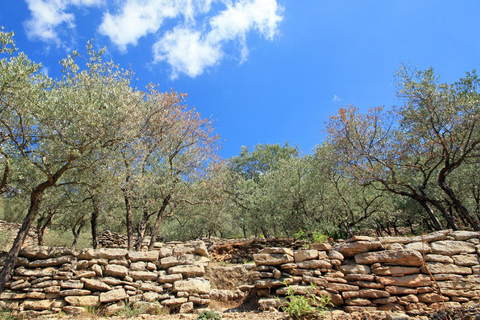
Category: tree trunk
[94,223]
[457,204]
[128,219]
[35,199]
[76,233]
[448,217]
[41,227]
[142,227]
[436,223]
[158,222]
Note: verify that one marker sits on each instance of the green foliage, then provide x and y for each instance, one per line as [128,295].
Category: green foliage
[5,240]
[133,310]
[304,306]
[319,237]
[316,236]
[208,315]
[6,315]
[63,238]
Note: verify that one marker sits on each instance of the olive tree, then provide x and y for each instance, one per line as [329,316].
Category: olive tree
[53,125]
[414,149]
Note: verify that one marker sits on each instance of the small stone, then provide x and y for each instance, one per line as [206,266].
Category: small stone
[144,275]
[96,285]
[187,307]
[305,255]
[174,302]
[188,271]
[98,270]
[73,310]
[452,247]
[277,250]
[401,258]
[143,256]
[397,316]
[349,249]
[355,269]
[113,295]
[74,292]
[171,278]
[272,258]
[83,301]
[411,281]
[116,270]
[72,284]
[196,285]
[113,308]
[102,253]
[37,304]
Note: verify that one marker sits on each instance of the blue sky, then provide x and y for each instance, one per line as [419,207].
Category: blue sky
[267,71]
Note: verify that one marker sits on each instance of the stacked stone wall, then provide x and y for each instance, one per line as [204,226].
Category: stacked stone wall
[363,273]
[385,273]
[49,280]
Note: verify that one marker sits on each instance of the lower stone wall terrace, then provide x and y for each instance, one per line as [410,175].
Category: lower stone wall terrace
[361,274]
[384,273]
[49,280]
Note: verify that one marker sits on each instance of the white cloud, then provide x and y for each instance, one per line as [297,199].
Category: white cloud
[237,20]
[231,24]
[197,37]
[137,18]
[186,52]
[48,15]
[336,98]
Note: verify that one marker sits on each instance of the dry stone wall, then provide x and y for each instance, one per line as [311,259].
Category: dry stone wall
[363,273]
[385,273]
[49,280]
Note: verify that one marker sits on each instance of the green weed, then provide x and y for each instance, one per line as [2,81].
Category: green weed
[133,310]
[209,315]
[6,315]
[304,306]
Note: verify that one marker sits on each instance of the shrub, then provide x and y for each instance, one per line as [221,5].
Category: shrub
[132,310]
[304,306]
[6,314]
[209,315]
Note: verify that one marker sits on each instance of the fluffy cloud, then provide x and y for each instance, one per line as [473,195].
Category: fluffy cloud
[232,24]
[186,52]
[197,34]
[48,15]
[138,18]
[244,16]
